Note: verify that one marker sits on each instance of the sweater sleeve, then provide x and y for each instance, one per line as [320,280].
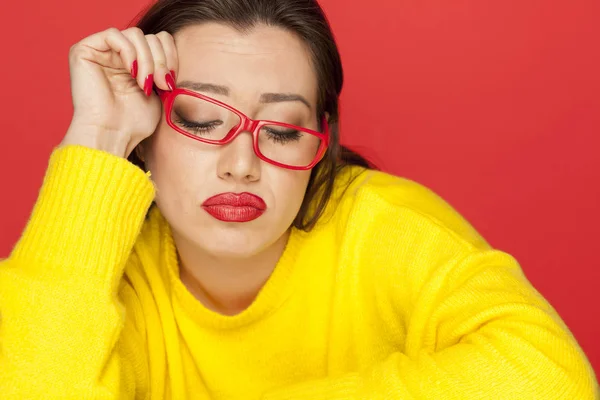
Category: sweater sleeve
[60,314]
[479,331]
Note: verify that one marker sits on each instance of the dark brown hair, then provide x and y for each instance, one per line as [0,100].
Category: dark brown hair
[306,19]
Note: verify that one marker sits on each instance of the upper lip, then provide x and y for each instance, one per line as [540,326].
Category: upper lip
[236,200]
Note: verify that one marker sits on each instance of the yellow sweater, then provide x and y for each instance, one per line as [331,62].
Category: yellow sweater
[392,296]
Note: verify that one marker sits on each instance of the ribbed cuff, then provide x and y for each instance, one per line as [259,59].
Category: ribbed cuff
[87,217]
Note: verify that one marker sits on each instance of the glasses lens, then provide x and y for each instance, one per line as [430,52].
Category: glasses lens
[202,118]
[288,146]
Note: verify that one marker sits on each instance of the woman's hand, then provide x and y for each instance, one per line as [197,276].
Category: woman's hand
[112,73]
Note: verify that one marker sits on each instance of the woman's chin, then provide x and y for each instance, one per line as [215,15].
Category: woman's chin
[231,245]
[229,250]
[229,241]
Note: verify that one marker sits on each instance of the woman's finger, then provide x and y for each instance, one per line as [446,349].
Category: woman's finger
[145,59]
[160,62]
[110,47]
[168,45]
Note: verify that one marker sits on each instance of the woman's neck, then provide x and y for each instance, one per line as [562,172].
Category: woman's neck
[226,285]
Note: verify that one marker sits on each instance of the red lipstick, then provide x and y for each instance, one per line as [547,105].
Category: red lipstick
[233,207]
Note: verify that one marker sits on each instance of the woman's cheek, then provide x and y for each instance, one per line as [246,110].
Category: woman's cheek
[171,169]
[291,188]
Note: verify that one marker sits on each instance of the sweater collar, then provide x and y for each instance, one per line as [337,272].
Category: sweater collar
[273,294]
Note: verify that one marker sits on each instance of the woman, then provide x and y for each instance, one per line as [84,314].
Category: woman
[184,248]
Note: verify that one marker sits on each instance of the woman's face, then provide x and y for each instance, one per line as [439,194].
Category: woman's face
[187,172]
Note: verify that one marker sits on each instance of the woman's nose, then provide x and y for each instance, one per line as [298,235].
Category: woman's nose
[237,160]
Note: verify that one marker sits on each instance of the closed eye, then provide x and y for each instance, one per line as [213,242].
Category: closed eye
[282,136]
[197,127]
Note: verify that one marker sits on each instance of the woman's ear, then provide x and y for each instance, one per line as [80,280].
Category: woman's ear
[139,152]
[327,120]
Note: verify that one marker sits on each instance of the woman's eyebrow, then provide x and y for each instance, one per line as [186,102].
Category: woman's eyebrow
[279,97]
[224,91]
[204,87]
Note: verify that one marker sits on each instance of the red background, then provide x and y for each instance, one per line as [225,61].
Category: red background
[492,104]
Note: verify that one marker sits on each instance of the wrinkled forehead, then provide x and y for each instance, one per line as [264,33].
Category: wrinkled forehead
[263,59]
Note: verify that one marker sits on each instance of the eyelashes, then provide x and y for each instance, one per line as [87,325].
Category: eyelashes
[206,128]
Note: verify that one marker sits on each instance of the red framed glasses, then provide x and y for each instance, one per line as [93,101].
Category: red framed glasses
[211,121]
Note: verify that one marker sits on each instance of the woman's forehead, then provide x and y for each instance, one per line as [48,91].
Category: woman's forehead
[265,58]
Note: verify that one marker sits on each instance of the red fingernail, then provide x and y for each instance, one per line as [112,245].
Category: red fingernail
[173,73]
[148,84]
[170,81]
[134,69]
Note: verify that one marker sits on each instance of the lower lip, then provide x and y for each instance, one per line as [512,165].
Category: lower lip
[234,214]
